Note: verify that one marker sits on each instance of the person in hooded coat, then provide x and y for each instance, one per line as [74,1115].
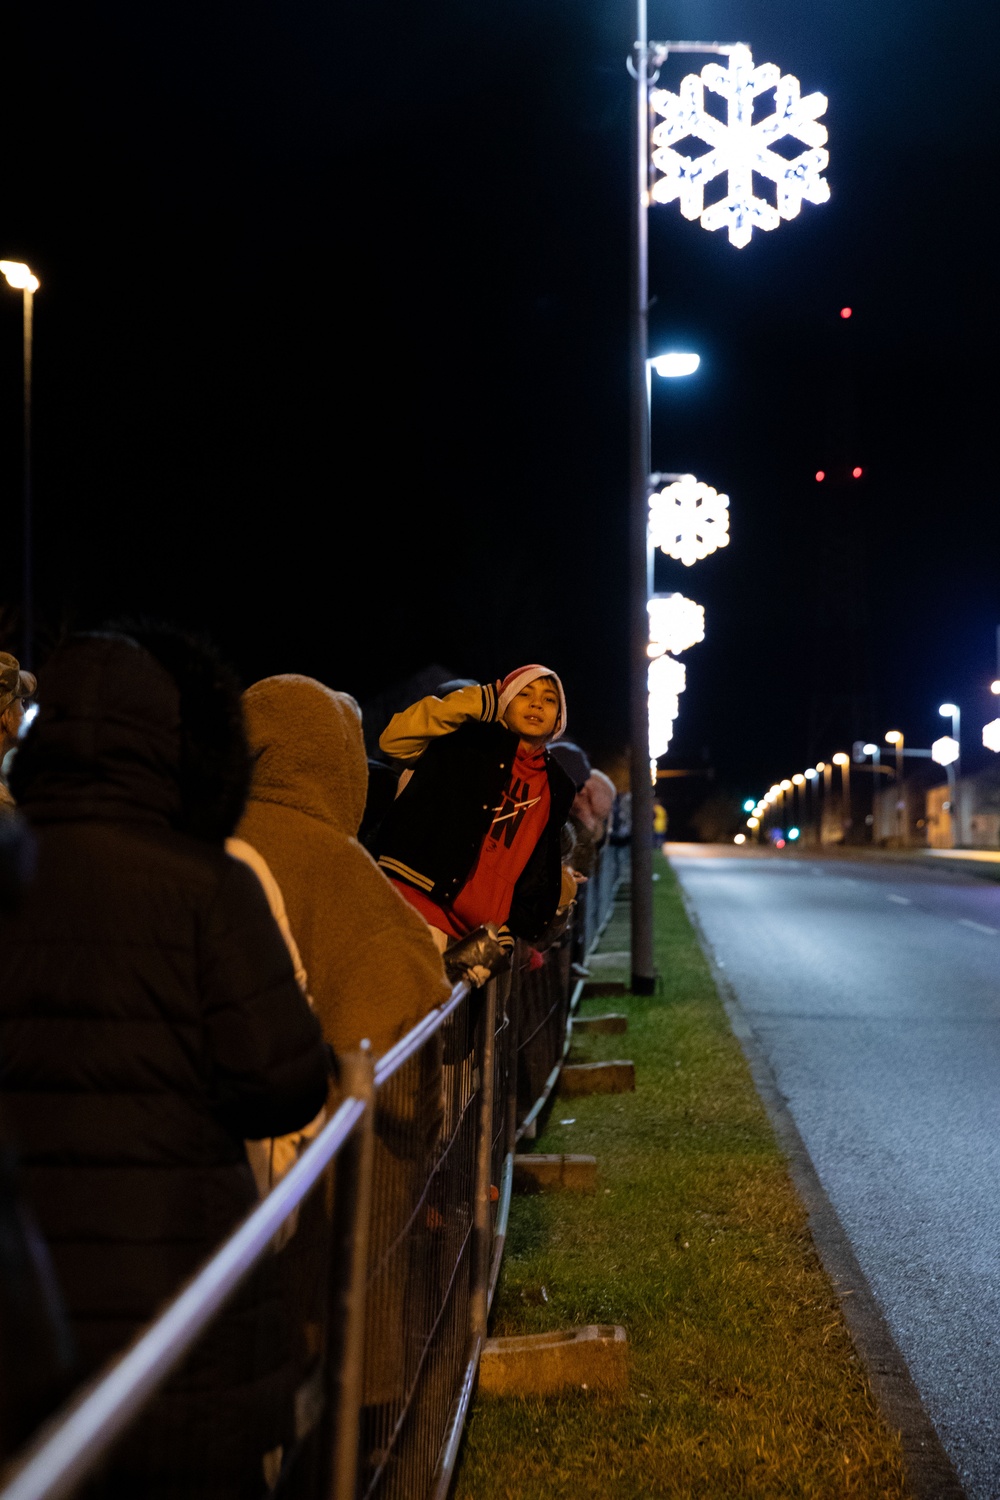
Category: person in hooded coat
[374,972]
[149,1022]
[373,967]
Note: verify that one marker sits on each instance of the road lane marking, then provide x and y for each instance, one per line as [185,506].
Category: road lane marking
[977,926]
[901,900]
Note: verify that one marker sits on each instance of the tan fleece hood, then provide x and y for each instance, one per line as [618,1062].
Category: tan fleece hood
[308,749]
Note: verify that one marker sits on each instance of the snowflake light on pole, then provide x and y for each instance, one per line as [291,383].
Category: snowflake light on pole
[991,736]
[741,147]
[675,624]
[688,520]
[666,681]
[945,750]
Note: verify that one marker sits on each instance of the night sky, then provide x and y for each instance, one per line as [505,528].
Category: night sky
[332,350]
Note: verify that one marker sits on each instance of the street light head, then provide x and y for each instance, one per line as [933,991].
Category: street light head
[811,774]
[798,779]
[869,749]
[19,276]
[894,737]
[995,685]
[840,759]
[675,364]
[786,785]
[948,710]
[820,767]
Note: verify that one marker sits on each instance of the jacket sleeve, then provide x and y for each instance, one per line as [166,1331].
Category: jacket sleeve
[269,1062]
[408,734]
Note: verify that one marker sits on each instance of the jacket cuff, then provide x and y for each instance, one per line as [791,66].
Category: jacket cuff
[490,702]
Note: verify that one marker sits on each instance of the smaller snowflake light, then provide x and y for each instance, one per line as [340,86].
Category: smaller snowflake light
[666,680]
[675,624]
[688,520]
[991,736]
[741,147]
[945,750]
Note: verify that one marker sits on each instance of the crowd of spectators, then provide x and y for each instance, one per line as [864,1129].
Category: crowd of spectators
[207,896]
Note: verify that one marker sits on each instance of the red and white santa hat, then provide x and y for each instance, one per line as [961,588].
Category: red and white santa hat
[515,681]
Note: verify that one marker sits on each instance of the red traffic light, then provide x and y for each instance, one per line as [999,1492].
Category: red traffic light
[856,473]
[820,475]
[845,312]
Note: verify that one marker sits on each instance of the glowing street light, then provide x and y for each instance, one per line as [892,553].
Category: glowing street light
[991,736]
[954,765]
[21,278]
[894,737]
[843,760]
[675,364]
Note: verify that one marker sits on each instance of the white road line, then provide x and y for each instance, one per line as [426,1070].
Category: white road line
[977,926]
[901,900]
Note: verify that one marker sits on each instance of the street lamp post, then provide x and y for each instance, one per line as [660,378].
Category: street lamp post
[826,770]
[811,774]
[953,712]
[22,279]
[894,737]
[844,762]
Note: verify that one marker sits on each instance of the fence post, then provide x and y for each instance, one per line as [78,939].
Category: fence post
[348,1272]
[482,1223]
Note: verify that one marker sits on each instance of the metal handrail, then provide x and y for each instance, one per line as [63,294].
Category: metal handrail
[71,1443]
[69,1446]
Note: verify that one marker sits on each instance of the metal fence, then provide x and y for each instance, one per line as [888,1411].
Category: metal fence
[329,1348]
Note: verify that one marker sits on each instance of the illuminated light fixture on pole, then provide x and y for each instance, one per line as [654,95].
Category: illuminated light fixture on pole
[675,624]
[843,760]
[21,278]
[894,737]
[753,822]
[740,147]
[953,712]
[688,520]
[748,805]
[673,365]
[991,736]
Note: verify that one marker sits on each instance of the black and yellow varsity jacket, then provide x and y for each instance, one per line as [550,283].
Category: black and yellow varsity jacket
[462,758]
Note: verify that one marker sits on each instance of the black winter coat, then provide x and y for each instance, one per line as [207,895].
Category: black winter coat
[437,824]
[149,1017]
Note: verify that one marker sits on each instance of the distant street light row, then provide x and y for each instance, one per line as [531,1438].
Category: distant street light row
[946,751]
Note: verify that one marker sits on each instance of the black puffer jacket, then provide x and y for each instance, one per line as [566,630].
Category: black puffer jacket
[149,1017]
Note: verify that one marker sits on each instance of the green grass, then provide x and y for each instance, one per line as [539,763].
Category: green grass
[743,1380]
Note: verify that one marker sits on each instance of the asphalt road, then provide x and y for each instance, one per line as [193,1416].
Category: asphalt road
[874,990]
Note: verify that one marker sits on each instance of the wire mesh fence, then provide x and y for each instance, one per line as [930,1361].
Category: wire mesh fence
[329,1347]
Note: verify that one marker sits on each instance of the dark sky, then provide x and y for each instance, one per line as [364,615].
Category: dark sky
[332,345]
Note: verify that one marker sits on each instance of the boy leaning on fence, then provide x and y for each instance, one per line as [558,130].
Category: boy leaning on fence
[474,836]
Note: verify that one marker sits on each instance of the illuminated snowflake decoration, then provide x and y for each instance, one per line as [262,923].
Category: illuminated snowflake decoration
[945,750]
[688,520]
[741,147]
[675,624]
[666,680]
[991,736]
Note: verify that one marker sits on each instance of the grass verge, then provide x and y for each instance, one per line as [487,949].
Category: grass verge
[743,1381]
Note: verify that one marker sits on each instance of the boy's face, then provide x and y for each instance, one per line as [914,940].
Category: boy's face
[533,712]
